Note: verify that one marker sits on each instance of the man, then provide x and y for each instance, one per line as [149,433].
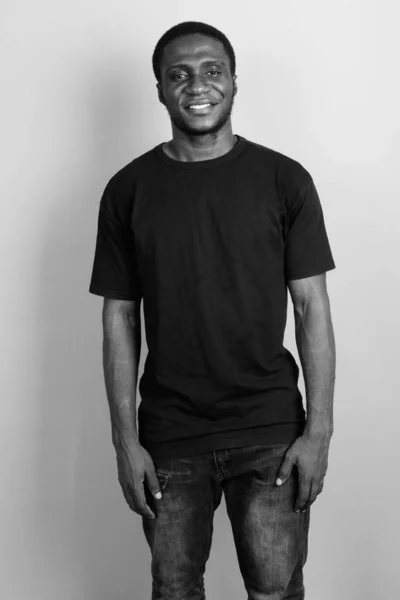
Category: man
[211,229]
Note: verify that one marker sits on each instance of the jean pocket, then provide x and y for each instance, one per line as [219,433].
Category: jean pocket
[162,479]
[265,463]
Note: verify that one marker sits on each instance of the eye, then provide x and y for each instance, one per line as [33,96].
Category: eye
[177,76]
[180,76]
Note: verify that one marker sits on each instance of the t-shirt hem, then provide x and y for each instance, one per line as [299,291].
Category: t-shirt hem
[310,272]
[113,294]
[284,433]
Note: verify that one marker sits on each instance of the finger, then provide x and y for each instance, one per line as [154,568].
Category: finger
[132,501]
[139,499]
[153,484]
[128,498]
[286,468]
[303,492]
[312,497]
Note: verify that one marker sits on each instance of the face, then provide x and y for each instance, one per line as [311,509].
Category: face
[197,87]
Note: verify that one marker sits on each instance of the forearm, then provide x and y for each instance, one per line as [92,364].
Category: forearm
[316,347]
[121,354]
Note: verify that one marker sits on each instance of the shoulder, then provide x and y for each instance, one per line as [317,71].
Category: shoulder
[289,173]
[125,178]
[119,192]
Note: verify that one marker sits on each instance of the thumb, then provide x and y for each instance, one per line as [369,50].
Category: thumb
[153,484]
[285,468]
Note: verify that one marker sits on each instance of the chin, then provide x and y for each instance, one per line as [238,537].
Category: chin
[202,128]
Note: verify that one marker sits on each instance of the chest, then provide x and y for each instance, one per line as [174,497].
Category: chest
[237,216]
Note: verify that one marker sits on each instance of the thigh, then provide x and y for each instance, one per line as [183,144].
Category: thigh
[270,537]
[180,536]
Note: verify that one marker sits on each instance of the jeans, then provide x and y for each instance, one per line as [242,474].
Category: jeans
[270,537]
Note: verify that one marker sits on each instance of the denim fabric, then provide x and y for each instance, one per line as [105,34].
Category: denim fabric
[269,536]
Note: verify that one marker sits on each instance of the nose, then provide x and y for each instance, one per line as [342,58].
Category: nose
[197,85]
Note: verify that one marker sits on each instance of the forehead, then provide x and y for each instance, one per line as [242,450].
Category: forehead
[192,48]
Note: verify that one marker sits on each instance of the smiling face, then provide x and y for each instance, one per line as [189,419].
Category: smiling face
[197,87]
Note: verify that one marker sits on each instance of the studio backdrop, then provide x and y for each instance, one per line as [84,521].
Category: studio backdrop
[318,82]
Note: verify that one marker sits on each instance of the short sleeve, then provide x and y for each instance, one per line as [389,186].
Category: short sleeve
[307,248]
[114,273]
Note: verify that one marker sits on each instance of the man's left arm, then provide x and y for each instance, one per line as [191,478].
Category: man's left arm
[316,346]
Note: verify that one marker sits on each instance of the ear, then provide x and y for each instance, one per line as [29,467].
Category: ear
[235,88]
[160,94]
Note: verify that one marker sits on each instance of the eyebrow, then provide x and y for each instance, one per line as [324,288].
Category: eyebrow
[206,63]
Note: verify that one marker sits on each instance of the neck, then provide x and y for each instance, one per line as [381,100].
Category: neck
[187,148]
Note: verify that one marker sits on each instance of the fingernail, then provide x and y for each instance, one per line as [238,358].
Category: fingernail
[279,481]
[158,495]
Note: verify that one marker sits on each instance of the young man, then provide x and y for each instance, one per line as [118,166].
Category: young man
[211,229]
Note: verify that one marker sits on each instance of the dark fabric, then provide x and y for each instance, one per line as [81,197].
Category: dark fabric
[210,246]
[271,539]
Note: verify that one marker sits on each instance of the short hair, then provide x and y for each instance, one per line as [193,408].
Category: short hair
[188,28]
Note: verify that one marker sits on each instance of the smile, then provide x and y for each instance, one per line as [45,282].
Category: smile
[203,108]
[198,106]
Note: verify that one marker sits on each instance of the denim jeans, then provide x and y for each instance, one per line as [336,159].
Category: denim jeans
[270,537]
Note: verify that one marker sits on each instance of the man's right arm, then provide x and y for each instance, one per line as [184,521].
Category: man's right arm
[121,354]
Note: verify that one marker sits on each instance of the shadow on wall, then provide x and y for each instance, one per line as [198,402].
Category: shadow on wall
[89,540]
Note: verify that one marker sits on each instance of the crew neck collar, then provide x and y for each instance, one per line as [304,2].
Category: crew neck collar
[237,149]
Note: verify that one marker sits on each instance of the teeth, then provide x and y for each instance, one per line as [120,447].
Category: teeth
[199,105]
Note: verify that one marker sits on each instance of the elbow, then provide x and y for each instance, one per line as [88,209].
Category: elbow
[120,315]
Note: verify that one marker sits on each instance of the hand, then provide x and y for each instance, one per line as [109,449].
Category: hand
[310,454]
[134,465]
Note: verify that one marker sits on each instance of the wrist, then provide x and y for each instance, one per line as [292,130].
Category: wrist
[318,432]
[124,439]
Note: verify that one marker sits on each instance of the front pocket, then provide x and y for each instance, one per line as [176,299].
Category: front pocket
[162,479]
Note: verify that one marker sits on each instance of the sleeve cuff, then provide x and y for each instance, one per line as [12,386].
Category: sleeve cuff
[114,294]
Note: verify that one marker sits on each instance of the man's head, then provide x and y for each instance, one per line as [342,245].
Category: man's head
[195,65]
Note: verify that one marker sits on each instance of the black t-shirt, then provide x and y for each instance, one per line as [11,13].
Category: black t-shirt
[209,246]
